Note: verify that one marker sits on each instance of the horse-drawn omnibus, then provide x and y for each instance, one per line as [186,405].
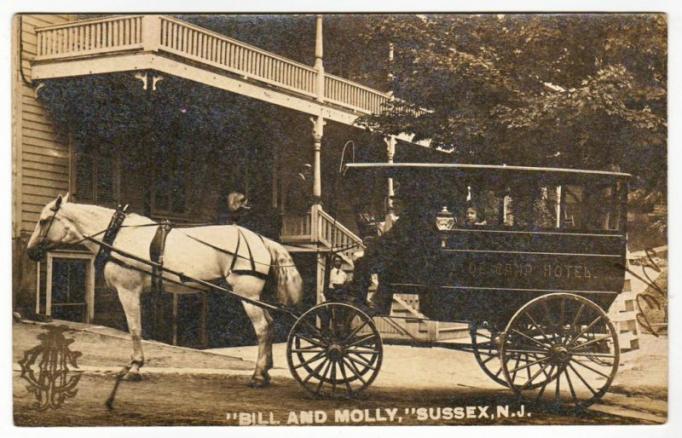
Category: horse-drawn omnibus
[531,258]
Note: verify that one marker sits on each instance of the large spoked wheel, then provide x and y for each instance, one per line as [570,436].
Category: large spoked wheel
[485,346]
[334,350]
[567,343]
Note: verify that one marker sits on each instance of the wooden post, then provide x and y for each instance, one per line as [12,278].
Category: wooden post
[48,286]
[151,32]
[90,290]
[204,317]
[318,132]
[320,278]
[175,319]
[319,66]
[390,153]
[38,288]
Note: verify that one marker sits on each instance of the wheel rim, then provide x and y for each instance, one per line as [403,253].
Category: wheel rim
[334,350]
[485,346]
[571,351]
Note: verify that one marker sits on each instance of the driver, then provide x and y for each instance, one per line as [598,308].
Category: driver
[401,247]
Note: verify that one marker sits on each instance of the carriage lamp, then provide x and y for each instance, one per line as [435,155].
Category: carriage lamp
[445,221]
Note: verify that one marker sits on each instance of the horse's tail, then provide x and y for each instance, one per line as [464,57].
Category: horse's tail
[287,279]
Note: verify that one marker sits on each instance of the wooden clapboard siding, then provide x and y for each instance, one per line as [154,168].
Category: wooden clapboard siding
[41,160]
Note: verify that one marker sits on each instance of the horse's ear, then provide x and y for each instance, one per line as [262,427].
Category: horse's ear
[66,198]
[58,203]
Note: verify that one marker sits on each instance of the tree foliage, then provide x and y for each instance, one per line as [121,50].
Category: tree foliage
[566,90]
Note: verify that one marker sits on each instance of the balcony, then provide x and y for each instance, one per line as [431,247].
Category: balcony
[166,44]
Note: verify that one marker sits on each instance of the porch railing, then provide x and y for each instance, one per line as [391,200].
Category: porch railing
[154,33]
[318,226]
[334,235]
[89,37]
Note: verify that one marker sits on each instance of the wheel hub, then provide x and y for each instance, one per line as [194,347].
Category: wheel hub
[335,352]
[559,354]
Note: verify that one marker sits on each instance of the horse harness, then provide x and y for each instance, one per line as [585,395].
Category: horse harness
[157,248]
[110,234]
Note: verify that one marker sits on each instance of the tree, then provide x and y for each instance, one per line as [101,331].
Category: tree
[567,90]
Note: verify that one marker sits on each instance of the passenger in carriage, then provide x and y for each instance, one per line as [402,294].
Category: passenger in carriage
[474,217]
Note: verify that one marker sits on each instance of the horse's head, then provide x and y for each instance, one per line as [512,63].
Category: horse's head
[52,229]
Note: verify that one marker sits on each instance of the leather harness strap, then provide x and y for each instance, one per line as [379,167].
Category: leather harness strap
[109,236]
[157,248]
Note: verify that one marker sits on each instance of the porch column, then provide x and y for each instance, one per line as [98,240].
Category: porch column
[390,153]
[319,67]
[318,131]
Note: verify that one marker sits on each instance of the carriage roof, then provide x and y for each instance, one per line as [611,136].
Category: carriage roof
[394,169]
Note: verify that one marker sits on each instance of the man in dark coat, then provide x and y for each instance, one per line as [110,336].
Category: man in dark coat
[401,249]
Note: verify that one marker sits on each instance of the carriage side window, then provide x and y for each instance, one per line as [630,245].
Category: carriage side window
[593,206]
[573,207]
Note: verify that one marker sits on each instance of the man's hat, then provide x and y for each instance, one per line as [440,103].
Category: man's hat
[237,201]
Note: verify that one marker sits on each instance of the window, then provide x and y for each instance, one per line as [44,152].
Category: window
[170,184]
[97,176]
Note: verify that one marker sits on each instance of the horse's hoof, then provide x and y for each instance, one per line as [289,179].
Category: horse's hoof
[259,383]
[132,377]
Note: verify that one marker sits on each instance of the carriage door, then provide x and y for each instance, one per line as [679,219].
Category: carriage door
[70,286]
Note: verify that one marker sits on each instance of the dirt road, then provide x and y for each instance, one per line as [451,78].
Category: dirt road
[187,387]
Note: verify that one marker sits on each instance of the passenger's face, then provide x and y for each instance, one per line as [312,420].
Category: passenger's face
[471,216]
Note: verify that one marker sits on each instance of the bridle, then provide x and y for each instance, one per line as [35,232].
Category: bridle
[42,243]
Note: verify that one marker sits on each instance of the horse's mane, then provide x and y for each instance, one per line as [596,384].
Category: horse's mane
[99,213]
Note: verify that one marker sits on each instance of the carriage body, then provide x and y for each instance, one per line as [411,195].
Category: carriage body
[541,231]
[532,258]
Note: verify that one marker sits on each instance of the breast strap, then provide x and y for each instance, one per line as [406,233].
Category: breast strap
[157,248]
[109,236]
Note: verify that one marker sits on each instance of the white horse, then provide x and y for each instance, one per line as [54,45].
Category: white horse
[64,222]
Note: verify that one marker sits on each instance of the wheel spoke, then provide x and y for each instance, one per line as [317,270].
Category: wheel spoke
[346,381]
[612,356]
[317,370]
[544,385]
[548,316]
[562,312]
[529,364]
[322,377]
[582,379]
[530,382]
[527,351]
[363,351]
[570,386]
[311,341]
[333,376]
[308,350]
[356,330]
[518,358]
[537,326]
[583,331]
[318,356]
[357,372]
[557,391]
[606,376]
[360,360]
[529,338]
[488,359]
[577,314]
[583,345]
[312,328]
[362,340]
